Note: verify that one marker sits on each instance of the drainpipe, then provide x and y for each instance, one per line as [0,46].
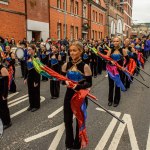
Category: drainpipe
[25,2]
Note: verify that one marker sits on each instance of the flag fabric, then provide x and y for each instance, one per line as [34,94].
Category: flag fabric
[114,75]
[78,107]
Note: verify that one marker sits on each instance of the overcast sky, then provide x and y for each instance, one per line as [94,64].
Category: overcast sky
[141,11]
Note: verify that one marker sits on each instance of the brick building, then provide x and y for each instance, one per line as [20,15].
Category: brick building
[12,19]
[127,6]
[97,21]
[77,19]
[65,19]
[37,19]
[114,18]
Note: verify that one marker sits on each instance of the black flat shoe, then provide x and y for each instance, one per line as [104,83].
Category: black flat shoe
[7,126]
[34,109]
[29,108]
[115,105]
[109,103]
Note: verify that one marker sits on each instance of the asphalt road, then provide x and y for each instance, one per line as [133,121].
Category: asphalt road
[44,129]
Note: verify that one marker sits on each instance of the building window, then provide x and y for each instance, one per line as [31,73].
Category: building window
[59,4]
[71,33]
[84,12]
[93,15]
[76,8]
[65,31]
[72,6]
[92,34]
[65,1]
[96,17]
[101,18]
[76,33]
[59,31]
[95,35]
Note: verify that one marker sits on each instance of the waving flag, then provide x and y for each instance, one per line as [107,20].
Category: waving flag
[78,107]
[114,75]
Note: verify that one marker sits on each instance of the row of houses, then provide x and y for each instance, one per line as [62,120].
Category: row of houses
[58,19]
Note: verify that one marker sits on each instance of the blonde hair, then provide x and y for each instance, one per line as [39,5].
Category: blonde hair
[78,44]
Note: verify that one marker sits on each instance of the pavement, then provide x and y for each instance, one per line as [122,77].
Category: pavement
[44,129]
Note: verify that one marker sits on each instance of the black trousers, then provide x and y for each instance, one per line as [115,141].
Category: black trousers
[70,141]
[111,96]
[54,88]
[93,66]
[4,112]
[22,64]
[100,65]
[34,94]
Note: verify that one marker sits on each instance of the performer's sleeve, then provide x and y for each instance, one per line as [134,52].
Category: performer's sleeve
[5,87]
[87,83]
[127,60]
[25,72]
[63,82]
[12,62]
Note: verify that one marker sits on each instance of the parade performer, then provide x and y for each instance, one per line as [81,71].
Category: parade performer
[32,78]
[4,110]
[86,55]
[23,61]
[80,72]
[63,54]
[114,74]
[130,63]
[44,57]
[9,60]
[55,65]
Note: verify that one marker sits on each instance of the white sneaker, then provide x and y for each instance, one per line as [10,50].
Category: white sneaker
[106,75]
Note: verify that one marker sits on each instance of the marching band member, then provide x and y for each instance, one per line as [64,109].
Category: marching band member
[44,58]
[80,72]
[4,110]
[114,74]
[32,78]
[54,64]
[10,63]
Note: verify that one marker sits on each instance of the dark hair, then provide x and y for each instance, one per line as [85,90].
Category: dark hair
[33,46]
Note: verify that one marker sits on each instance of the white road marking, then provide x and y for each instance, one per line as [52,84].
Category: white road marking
[24,109]
[22,100]
[55,112]
[148,141]
[57,138]
[17,99]
[103,141]
[116,139]
[13,94]
[39,135]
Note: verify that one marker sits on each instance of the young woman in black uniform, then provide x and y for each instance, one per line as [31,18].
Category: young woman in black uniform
[10,62]
[116,53]
[55,65]
[32,78]
[4,110]
[80,72]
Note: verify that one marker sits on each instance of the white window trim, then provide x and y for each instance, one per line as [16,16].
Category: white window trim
[2,2]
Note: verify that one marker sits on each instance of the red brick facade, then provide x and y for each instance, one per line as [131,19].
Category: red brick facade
[12,19]
[72,17]
[38,10]
[127,6]
[77,24]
